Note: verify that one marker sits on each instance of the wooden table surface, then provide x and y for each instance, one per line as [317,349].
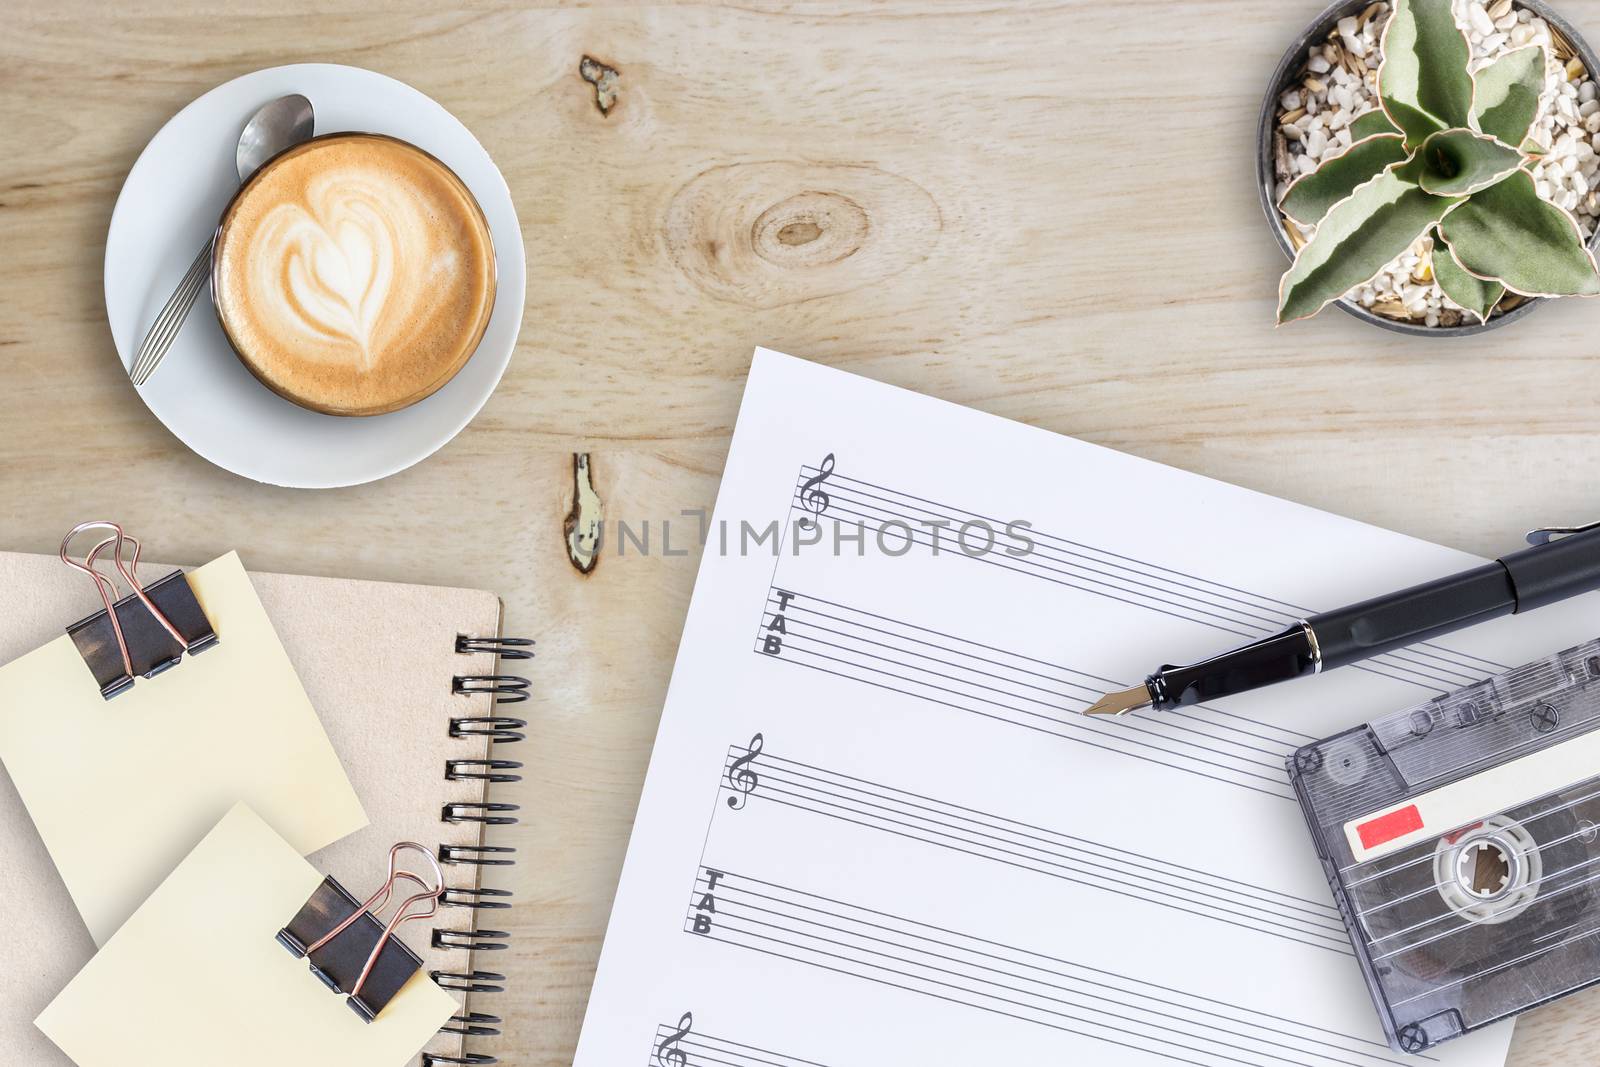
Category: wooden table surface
[1044,210]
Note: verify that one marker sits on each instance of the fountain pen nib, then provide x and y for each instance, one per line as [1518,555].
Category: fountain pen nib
[1121,702]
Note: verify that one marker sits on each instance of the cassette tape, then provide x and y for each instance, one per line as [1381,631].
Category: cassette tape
[1461,838]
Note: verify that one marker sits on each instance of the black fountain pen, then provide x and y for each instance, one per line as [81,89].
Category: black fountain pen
[1563,562]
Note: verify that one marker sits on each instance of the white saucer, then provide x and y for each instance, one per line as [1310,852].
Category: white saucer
[170,204]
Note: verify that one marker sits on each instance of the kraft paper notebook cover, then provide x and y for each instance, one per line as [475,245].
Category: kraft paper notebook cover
[381,665]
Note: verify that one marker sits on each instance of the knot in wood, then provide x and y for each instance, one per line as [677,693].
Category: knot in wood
[777,232]
[810,229]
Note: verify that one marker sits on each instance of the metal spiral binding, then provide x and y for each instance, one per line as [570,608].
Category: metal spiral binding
[475,855]
[473,1024]
[507,688]
[494,727]
[470,982]
[462,897]
[487,814]
[504,647]
[485,770]
[477,940]
[497,729]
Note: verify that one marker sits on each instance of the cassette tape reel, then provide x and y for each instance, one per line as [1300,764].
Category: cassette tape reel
[1461,839]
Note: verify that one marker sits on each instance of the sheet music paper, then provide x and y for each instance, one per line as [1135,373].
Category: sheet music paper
[876,828]
[197,975]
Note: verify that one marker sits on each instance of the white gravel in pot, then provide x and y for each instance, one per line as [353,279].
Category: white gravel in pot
[1340,84]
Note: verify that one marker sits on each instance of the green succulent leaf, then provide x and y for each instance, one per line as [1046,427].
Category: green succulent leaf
[1460,162]
[1310,197]
[1508,232]
[1373,122]
[1477,295]
[1423,80]
[1360,234]
[1508,94]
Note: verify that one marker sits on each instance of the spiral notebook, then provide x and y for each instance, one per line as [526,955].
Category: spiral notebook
[408,685]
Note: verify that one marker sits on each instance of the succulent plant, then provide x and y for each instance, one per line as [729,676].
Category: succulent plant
[1447,155]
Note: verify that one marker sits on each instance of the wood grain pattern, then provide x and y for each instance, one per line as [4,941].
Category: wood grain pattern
[1043,210]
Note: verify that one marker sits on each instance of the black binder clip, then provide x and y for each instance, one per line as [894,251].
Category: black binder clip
[144,633]
[350,950]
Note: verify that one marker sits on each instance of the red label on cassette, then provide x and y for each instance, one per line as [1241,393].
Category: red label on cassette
[1398,823]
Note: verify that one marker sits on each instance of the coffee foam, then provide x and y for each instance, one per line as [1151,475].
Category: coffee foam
[354,274]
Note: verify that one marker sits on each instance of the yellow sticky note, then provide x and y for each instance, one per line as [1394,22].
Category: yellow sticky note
[122,789]
[196,975]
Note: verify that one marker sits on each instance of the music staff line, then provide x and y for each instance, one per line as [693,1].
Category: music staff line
[1427,665]
[710,1049]
[1378,665]
[1055,993]
[1092,685]
[1090,689]
[1144,568]
[1396,666]
[1235,620]
[1268,764]
[1039,850]
[1065,735]
[1140,740]
[1283,611]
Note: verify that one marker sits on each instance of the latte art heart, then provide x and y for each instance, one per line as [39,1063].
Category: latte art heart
[354,274]
[336,260]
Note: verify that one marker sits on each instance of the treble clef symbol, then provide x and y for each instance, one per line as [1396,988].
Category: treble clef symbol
[812,496]
[668,1054]
[741,777]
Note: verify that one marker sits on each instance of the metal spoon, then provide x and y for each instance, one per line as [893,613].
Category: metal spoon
[281,124]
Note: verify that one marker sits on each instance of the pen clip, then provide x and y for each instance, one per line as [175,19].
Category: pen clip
[1550,533]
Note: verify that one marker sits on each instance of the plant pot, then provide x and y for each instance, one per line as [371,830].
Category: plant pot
[1289,73]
